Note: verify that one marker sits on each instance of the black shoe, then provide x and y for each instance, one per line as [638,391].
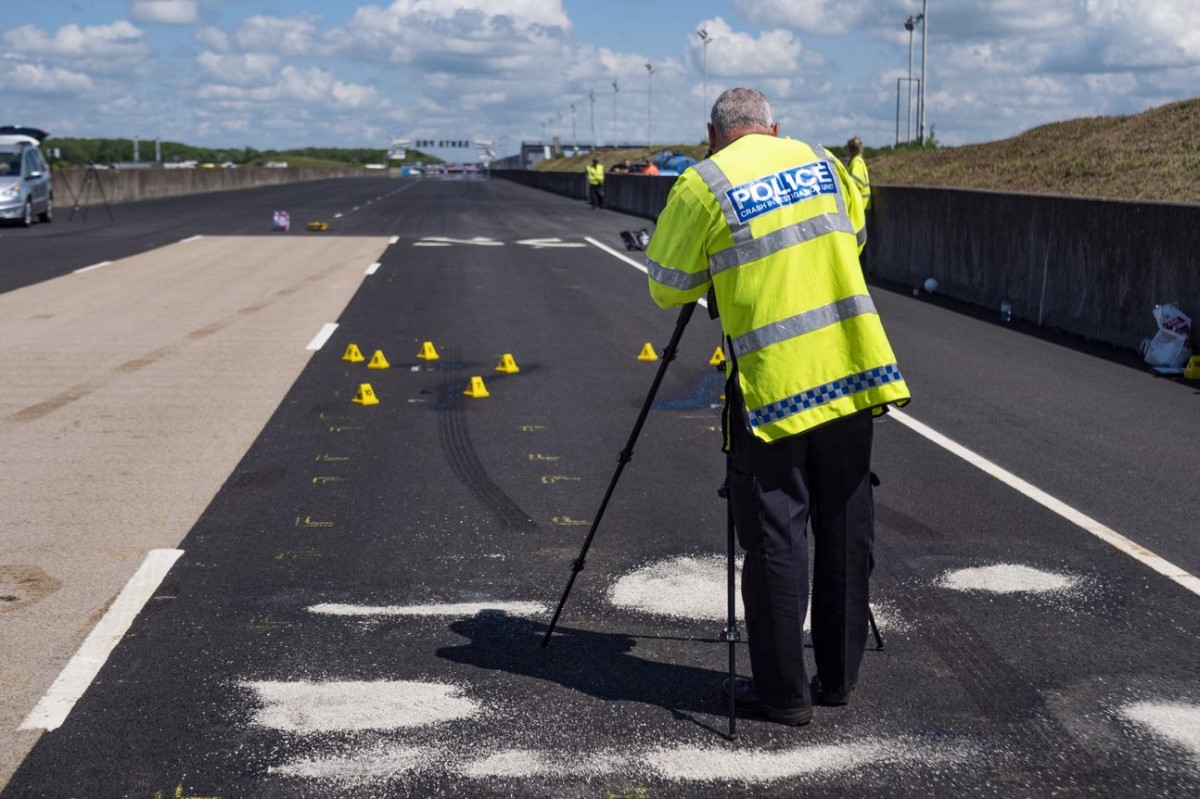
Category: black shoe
[820,696]
[749,703]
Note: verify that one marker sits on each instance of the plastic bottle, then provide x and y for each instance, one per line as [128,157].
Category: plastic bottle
[1005,310]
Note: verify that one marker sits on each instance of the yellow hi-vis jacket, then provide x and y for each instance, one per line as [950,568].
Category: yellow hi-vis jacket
[776,226]
[862,178]
[595,174]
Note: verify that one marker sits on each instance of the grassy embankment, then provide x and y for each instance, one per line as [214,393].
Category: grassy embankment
[1153,156]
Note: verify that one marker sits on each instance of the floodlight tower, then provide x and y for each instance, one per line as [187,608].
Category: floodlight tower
[650,105]
[616,90]
[592,101]
[924,74]
[704,37]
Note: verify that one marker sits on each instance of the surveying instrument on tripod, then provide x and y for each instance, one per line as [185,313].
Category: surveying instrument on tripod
[82,199]
[730,634]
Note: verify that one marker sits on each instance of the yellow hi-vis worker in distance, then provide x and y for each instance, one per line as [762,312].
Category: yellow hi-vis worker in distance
[595,178]
[858,169]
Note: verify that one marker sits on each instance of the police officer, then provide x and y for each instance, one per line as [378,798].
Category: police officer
[774,226]
[595,177]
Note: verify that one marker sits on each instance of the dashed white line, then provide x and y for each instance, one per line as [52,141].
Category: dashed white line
[337,216]
[1079,519]
[52,710]
[190,238]
[100,265]
[323,336]
[1087,523]
[373,268]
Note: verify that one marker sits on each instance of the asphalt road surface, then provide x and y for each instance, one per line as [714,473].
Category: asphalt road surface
[336,599]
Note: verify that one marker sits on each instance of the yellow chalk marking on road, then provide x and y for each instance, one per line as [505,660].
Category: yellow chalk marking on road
[179,794]
[568,521]
[428,353]
[529,428]
[296,554]
[477,389]
[378,361]
[537,456]
[307,521]
[324,480]
[507,365]
[332,458]
[353,354]
[325,416]
[647,353]
[343,428]
[551,479]
[265,622]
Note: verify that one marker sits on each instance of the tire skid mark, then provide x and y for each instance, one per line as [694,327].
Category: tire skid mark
[460,452]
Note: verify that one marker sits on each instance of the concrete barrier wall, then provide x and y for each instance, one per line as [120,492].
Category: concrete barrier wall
[131,185]
[1094,268]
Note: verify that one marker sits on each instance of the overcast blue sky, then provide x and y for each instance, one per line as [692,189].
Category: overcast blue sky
[276,74]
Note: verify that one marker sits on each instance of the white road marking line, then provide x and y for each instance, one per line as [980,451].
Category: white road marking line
[642,267]
[308,707]
[52,710]
[323,336]
[373,268]
[337,216]
[539,244]
[393,239]
[463,610]
[1081,520]
[93,266]
[1177,722]
[190,238]
[1103,532]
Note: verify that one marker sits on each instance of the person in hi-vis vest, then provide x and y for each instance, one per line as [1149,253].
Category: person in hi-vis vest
[774,227]
[595,178]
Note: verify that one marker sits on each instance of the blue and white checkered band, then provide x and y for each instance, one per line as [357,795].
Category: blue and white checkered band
[782,188]
[821,395]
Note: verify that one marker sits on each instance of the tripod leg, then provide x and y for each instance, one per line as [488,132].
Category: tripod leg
[685,314]
[731,632]
[874,629]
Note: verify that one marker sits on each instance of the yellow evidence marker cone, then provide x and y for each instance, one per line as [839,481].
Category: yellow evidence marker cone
[507,364]
[353,354]
[427,353]
[1192,370]
[477,389]
[718,358]
[647,353]
[365,395]
[378,361]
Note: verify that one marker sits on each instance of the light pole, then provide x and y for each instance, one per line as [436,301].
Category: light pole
[909,24]
[616,89]
[704,37]
[574,136]
[921,91]
[649,106]
[592,100]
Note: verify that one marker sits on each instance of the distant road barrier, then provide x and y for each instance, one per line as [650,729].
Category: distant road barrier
[131,185]
[1093,268]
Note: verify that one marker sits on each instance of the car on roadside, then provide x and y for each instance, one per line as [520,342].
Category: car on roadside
[26,187]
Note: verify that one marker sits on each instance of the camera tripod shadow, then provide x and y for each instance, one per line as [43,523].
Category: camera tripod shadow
[601,665]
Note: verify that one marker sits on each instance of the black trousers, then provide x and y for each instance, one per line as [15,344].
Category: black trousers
[823,477]
[596,194]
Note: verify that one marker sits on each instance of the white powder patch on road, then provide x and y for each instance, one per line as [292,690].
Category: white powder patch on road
[713,764]
[1178,723]
[371,765]
[462,610]
[684,587]
[524,763]
[1007,578]
[309,707]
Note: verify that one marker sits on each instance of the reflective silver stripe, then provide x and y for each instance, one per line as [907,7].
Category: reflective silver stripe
[718,184]
[675,278]
[803,323]
[783,238]
[861,236]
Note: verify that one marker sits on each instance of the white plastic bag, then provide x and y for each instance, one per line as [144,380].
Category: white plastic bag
[1171,346]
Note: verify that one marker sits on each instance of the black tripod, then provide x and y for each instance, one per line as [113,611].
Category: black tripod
[91,179]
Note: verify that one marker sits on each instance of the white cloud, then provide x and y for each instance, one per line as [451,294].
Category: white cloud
[214,38]
[38,79]
[120,39]
[820,17]
[314,86]
[166,12]
[239,70]
[291,36]
[736,55]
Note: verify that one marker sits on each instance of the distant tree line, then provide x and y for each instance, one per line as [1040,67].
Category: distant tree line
[76,152]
